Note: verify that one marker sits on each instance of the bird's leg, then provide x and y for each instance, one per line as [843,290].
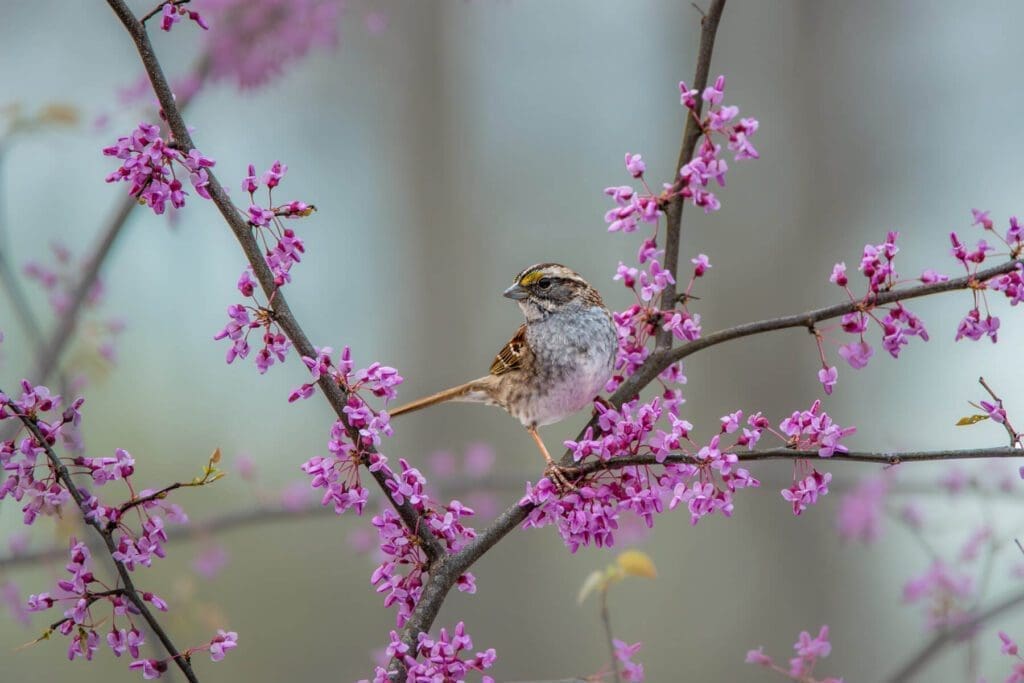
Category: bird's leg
[553,470]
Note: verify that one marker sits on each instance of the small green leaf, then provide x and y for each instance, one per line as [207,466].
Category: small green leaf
[970,420]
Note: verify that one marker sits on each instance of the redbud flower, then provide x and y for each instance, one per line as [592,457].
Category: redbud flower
[857,354]
[151,668]
[221,643]
[929,277]
[633,672]
[148,165]
[635,165]
[701,265]
[687,96]
[838,276]
[828,378]
[981,218]
[255,41]
[1009,645]
[862,510]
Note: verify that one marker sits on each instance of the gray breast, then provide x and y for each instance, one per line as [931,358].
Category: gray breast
[574,352]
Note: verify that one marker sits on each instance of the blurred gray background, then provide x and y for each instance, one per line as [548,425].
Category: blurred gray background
[471,139]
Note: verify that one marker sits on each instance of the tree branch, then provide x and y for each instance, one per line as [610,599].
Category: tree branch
[945,638]
[271,513]
[129,589]
[658,361]
[691,134]
[282,313]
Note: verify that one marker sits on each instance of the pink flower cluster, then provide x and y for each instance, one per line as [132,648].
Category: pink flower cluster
[639,323]
[351,445]
[946,591]
[60,279]
[703,477]
[1009,647]
[445,658]
[286,249]
[899,324]
[401,547]
[148,165]
[282,249]
[696,175]
[974,325]
[632,672]
[32,479]
[338,473]
[862,510]
[253,42]
[173,12]
[22,459]
[808,651]
[217,647]
[81,592]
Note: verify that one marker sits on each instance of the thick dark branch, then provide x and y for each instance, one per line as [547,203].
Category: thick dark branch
[951,636]
[660,360]
[108,540]
[243,233]
[889,459]
[691,134]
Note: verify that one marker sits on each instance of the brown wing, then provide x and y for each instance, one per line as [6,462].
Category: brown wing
[513,355]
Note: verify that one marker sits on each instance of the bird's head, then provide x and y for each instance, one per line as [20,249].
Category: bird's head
[547,288]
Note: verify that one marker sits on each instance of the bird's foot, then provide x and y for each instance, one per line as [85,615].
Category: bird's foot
[559,476]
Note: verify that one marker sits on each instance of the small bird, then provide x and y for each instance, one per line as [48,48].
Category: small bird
[557,362]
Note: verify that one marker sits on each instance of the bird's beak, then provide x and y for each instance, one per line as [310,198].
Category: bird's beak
[515,292]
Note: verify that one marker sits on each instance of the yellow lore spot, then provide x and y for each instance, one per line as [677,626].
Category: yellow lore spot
[531,277]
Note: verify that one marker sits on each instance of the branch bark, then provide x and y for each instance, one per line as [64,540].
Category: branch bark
[691,134]
[282,313]
[944,639]
[129,589]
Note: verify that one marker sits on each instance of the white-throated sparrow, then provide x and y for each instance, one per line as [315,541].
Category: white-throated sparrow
[557,362]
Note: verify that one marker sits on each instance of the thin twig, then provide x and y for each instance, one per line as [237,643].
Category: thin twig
[282,313]
[952,635]
[691,134]
[160,8]
[606,621]
[1014,436]
[129,589]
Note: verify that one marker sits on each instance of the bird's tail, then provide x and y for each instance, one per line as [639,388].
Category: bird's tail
[473,391]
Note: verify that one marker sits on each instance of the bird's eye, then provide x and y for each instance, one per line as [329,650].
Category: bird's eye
[544,282]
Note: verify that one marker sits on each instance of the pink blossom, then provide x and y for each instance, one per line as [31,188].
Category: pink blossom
[633,672]
[700,265]
[828,378]
[862,510]
[857,354]
[221,643]
[838,276]
[635,165]
[253,42]
[147,165]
